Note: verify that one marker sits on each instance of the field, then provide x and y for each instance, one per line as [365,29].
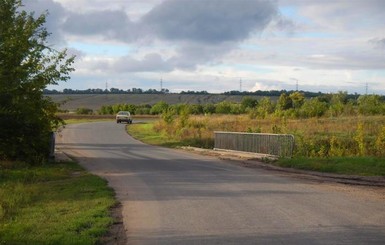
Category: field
[72,102]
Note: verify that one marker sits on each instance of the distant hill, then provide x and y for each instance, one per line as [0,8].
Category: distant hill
[94,101]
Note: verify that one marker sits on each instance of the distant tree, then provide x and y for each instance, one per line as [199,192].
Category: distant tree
[265,107]
[297,98]
[313,108]
[284,102]
[370,105]
[249,102]
[27,66]
[223,107]
[209,108]
[84,111]
[159,108]
[337,103]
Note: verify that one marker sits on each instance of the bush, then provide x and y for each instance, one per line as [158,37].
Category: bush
[84,111]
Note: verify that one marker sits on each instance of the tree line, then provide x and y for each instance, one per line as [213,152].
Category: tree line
[292,105]
[270,93]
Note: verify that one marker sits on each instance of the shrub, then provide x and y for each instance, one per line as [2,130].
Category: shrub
[84,111]
[159,108]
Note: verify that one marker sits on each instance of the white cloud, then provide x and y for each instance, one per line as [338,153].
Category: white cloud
[264,87]
[324,45]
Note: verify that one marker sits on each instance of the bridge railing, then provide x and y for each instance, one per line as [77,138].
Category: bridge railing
[281,145]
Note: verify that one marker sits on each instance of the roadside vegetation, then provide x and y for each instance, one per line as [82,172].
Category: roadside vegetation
[327,126]
[58,203]
[332,133]
[163,134]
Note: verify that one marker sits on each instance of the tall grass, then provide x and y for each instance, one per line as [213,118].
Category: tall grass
[315,137]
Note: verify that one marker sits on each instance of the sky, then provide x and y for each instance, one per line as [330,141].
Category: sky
[220,45]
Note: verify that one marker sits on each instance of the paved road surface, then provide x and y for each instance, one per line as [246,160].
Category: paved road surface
[174,197]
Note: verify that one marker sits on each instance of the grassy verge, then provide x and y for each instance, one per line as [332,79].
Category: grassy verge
[86,120]
[53,204]
[364,166]
[146,133]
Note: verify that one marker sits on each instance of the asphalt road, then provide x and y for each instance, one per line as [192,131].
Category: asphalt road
[175,197]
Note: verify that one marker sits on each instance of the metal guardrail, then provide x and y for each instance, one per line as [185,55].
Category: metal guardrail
[281,145]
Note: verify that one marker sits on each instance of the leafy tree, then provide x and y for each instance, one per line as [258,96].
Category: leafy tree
[314,108]
[84,111]
[298,99]
[284,102]
[223,107]
[209,108]
[249,102]
[265,107]
[27,66]
[337,103]
[370,105]
[159,108]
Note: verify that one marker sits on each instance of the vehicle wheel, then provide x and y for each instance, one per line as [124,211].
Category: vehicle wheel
[117,121]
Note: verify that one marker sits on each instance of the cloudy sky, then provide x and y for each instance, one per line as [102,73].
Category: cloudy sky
[221,45]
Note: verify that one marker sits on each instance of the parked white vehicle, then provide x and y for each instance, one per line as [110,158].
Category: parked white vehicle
[123,116]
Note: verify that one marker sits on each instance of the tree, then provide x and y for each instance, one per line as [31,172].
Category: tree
[249,102]
[27,66]
[370,105]
[284,102]
[297,99]
[314,108]
[265,107]
[159,108]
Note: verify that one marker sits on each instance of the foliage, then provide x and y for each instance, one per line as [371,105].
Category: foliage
[314,137]
[380,142]
[159,108]
[84,111]
[293,105]
[360,139]
[370,105]
[313,108]
[249,103]
[334,153]
[297,99]
[27,66]
[265,107]
[284,102]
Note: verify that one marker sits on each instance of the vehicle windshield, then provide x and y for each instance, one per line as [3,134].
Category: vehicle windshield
[123,113]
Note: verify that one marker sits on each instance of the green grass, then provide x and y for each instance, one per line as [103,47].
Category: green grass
[86,120]
[364,166]
[146,133]
[53,204]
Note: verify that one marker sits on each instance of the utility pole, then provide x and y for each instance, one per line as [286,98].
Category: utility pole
[161,85]
[366,88]
[240,85]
